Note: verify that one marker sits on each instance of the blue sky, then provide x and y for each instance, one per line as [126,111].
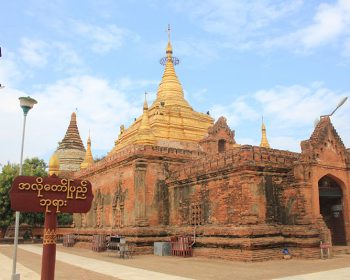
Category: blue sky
[286,60]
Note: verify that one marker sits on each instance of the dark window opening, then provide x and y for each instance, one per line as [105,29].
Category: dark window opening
[221,145]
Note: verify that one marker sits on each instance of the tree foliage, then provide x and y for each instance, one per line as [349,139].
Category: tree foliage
[8,173]
[31,167]
[65,219]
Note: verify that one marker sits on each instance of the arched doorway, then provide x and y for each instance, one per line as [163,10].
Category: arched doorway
[331,208]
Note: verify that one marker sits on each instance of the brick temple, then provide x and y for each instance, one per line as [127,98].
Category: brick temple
[176,171]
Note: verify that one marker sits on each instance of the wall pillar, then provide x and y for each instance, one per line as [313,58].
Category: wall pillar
[140,193]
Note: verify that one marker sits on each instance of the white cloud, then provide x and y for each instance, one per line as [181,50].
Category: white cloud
[231,18]
[9,72]
[242,23]
[266,24]
[66,59]
[297,104]
[103,39]
[330,25]
[289,113]
[102,108]
[53,55]
[34,52]
[346,48]
[236,112]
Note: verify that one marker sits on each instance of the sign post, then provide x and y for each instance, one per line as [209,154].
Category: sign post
[48,260]
[51,195]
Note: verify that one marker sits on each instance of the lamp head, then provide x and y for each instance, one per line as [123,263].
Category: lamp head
[342,101]
[26,104]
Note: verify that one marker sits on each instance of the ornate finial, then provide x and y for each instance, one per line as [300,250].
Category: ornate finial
[264,142]
[169,32]
[145,105]
[169,52]
[88,160]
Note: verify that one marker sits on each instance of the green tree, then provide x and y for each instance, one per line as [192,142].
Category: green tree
[65,219]
[8,173]
[31,167]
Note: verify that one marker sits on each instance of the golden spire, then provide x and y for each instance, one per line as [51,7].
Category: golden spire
[88,155]
[170,90]
[144,133]
[54,165]
[169,48]
[264,143]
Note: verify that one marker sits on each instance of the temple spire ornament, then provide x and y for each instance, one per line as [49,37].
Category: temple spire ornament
[71,150]
[145,105]
[169,53]
[145,134]
[72,138]
[54,165]
[170,91]
[264,142]
[169,32]
[88,160]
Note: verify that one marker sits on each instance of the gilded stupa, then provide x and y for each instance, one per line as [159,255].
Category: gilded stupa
[54,165]
[170,120]
[264,142]
[88,160]
[71,151]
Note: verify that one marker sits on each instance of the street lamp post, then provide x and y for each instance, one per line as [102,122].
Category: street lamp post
[336,108]
[26,104]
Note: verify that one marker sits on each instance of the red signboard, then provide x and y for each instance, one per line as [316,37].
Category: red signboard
[51,195]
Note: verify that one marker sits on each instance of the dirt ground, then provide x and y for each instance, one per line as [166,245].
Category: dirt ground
[195,268]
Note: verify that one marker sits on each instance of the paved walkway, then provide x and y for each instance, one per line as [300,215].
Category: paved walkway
[122,272]
[6,269]
[342,273]
[75,263]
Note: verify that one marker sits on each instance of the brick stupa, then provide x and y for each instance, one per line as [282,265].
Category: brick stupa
[71,150]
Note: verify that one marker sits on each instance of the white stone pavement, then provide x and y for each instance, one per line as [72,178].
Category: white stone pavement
[6,269]
[337,274]
[116,270]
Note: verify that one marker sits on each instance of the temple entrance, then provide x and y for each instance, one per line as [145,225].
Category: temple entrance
[331,208]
